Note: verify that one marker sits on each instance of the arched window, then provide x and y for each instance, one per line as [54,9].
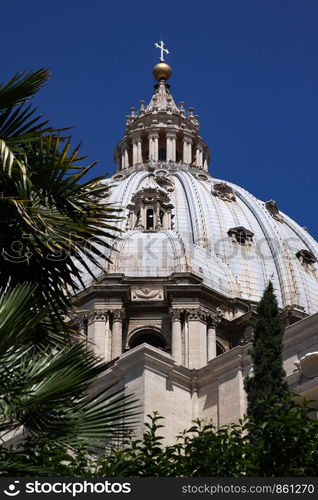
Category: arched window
[149,221]
[148,336]
[219,349]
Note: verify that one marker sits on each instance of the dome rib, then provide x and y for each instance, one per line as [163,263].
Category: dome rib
[270,230]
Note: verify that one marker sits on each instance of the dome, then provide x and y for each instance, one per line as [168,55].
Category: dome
[205,211]
[180,219]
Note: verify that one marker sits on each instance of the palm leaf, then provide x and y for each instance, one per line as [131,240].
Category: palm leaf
[21,87]
[49,393]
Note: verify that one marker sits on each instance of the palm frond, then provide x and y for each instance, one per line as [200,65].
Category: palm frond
[48,392]
[21,87]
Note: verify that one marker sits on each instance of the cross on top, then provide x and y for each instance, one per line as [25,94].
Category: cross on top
[162,49]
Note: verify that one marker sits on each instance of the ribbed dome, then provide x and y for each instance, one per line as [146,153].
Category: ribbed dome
[199,240]
[182,220]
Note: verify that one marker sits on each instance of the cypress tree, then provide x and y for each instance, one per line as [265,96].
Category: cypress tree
[266,385]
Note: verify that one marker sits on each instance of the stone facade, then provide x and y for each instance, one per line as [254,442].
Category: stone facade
[171,309]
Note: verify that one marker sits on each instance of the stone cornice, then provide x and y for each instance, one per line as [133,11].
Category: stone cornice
[294,332]
[101,314]
[223,365]
[155,360]
[198,313]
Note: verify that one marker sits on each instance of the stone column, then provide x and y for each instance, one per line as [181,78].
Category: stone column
[186,343]
[197,320]
[122,158]
[139,151]
[211,339]
[126,157]
[97,332]
[100,333]
[187,150]
[166,223]
[132,219]
[135,151]
[108,339]
[176,338]
[154,146]
[168,147]
[174,148]
[171,146]
[117,333]
[143,214]
[198,157]
[151,147]
[205,164]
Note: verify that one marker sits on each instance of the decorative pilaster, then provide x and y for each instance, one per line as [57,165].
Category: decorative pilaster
[100,333]
[117,333]
[96,322]
[176,340]
[197,321]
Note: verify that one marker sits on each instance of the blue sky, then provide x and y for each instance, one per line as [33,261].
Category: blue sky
[249,68]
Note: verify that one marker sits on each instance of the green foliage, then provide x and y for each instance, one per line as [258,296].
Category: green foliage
[47,396]
[286,444]
[53,223]
[52,220]
[201,451]
[267,379]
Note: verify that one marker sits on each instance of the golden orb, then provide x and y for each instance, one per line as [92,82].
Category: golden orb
[162,71]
